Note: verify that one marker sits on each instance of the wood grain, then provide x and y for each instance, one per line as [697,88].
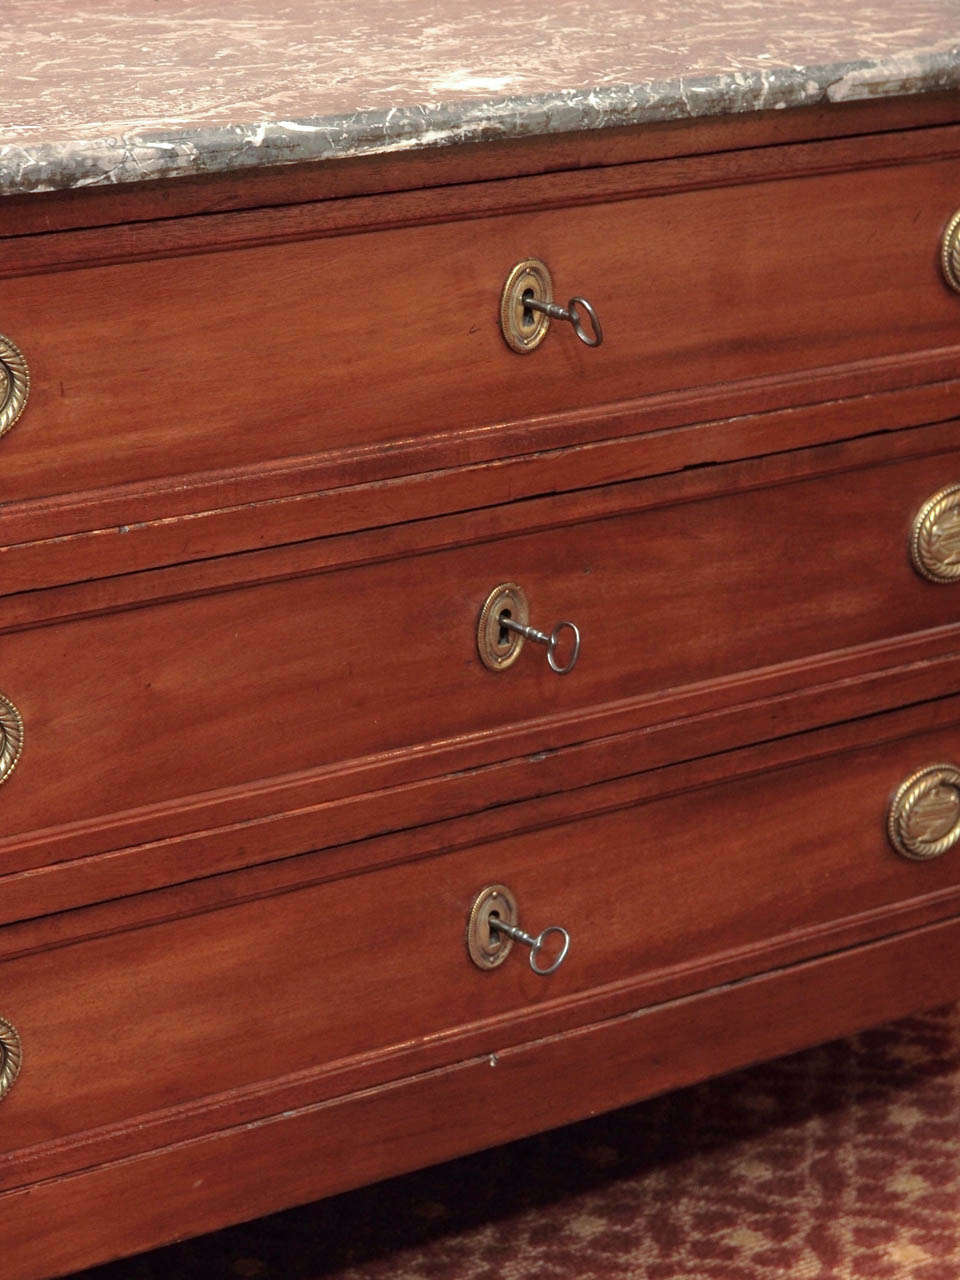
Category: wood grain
[122,530]
[230,689]
[275,457]
[664,898]
[287,1159]
[260,354]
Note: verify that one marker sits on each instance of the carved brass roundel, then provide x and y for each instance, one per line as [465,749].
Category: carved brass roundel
[924,816]
[11,1056]
[14,383]
[935,537]
[950,253]
[11,737]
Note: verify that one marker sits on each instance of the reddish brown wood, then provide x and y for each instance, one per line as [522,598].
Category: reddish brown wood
[206,972]
[307,220]
[256,1168]
[568,503]
[248,521]
[296,184]
[192,370]
[260,354]
[141,532]
[549,807]
[242,827]
[310,673]
[50,1159]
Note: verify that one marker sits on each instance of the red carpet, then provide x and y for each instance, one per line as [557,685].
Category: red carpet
[840,1163]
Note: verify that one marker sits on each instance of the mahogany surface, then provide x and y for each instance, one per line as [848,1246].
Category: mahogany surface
[288,356]
[181,1190]
[663,905]
[357,660]
[275,456]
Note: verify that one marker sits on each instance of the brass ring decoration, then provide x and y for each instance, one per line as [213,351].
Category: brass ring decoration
[14,383]
[935,536]
[11,1056]
[923,820]
[11,737]
[950,253]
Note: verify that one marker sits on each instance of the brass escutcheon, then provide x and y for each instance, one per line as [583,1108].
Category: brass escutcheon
[498,647]
[488,947]
[11,737]
[923,820]
[950,253]
[14,383]
[11,1056]
[935,536]
[522,328]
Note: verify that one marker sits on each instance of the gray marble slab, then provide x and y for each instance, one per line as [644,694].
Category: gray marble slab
[133,90]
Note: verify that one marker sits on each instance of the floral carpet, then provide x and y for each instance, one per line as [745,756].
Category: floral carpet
[839,1163]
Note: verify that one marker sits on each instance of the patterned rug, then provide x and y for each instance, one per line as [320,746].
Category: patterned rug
[841,1163]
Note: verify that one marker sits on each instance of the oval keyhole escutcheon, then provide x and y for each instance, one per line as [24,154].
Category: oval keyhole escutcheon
[523,328]
[499,647]
[488,947]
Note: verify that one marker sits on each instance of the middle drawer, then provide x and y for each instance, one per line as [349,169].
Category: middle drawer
[147,705]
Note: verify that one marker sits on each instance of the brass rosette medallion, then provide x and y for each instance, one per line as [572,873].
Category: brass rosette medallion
[923,820]
[14,383]
[950,253]
[11,1056]
[935,537]
[11,737]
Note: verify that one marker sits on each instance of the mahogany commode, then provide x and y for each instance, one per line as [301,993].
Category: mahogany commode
[406,737]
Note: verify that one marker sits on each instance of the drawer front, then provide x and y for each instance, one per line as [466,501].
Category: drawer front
[155,369]
[114,1026]
[149,705]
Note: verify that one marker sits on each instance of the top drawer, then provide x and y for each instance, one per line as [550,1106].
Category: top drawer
[218,360]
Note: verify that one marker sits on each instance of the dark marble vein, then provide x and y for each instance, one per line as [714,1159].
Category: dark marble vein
[132,90]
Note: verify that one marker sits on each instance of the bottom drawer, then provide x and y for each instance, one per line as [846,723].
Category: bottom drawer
[737,858]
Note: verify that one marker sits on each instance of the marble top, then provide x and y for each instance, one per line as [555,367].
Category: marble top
[131,90]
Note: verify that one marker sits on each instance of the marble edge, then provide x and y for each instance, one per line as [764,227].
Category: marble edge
[149,155]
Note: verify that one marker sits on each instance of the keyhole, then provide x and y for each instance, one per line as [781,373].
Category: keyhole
[496,937]
[504,634]
[528,319]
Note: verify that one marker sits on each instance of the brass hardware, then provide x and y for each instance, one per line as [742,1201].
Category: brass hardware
[14,383]
[527,307]
[488,947]
[950,253]
[498,646]
[503,627]
[492,930]
[935,537]
[11,737]
[523,328]
[11,1056]
[923,820]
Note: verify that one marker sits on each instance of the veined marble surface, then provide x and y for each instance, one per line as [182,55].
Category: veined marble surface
[131,90]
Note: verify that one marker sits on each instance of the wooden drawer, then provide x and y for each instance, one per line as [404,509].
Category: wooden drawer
[217,360]
[708,880]
[143,706]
